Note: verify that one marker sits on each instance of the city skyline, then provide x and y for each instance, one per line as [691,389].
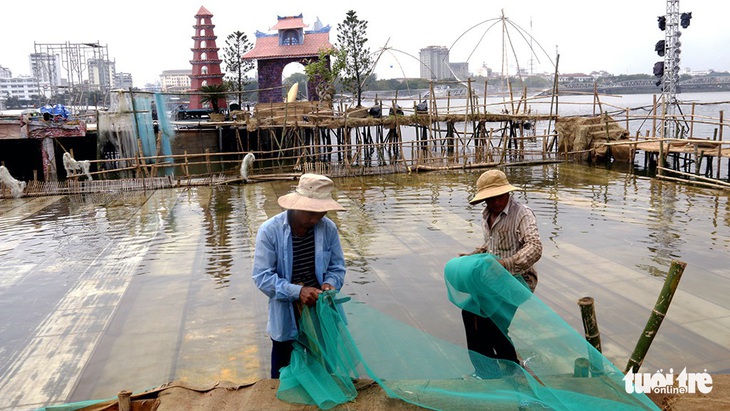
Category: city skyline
[147,38]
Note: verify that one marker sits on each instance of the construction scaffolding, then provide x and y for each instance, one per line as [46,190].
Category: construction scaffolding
[80,67]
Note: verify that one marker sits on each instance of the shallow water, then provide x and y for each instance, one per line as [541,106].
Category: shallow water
[105,292]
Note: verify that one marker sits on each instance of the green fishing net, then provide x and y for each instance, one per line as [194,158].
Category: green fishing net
[559,371]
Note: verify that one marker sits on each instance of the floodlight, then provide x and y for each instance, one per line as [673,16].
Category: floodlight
[659,48]
[659,68]
[684,19]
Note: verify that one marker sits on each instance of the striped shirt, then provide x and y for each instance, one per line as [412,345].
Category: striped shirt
[514,239]
[303,260]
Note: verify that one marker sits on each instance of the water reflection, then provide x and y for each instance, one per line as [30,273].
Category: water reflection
[172,268]
[217,223]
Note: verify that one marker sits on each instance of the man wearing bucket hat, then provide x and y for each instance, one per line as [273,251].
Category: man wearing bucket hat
[298,255]
[511,235]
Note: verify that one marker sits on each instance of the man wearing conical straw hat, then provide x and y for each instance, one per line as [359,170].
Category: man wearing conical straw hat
[511,235]
[298,256]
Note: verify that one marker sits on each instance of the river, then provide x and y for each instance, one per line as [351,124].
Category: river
[106,292]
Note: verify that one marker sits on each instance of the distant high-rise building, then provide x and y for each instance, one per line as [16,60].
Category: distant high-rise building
[205,62]
[102,73]
[24,87]
[123,81]
[46,68]
[176,80]
[434,63]
[153,87]
[5,72]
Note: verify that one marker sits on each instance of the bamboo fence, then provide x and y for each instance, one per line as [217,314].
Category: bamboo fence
[469,132]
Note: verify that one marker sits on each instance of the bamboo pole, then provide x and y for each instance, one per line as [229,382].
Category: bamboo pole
[141,169]
[660,160]
[699,183]
[657,316]
[653,116]
[185,166]
[485,96]
[719,147]
[698,159]
[554,99]
[590,323]
[705,180]
[581,367]
[158,148]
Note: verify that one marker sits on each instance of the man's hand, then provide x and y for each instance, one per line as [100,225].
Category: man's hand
[479,250]
[309,295]
[327,287]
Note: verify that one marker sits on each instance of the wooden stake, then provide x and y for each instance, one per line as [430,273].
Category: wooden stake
[590,323]
[125,400]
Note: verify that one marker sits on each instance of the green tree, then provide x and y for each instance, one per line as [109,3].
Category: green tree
[353,55]
[37,100]
[212,94]
[237,44]
[321,73]
[13,102]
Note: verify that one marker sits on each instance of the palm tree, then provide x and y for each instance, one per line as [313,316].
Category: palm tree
[212,94]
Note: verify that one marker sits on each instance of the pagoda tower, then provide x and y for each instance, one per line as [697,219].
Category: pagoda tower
[206,63]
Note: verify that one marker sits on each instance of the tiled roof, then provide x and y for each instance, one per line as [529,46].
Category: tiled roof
[289,23]
[203,12]
[268,47]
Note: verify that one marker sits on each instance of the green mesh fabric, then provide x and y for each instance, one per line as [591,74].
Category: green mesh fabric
[324,361]
[167,132]
[560,371]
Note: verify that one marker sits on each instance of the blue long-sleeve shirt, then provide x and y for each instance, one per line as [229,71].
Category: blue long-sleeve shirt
[272,269]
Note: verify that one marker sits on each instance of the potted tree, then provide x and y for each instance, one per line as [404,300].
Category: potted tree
[212,94]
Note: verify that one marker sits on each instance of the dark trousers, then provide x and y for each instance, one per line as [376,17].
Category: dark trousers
[484,337]
[280,356]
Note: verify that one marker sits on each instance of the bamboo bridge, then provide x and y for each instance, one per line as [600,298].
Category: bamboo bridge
[430,134]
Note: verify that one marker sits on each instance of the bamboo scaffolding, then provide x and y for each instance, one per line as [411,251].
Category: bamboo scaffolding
[297,143]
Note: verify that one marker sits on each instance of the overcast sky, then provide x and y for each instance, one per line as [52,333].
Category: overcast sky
[147,37]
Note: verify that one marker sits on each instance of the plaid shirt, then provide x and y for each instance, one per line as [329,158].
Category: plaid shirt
[514,239]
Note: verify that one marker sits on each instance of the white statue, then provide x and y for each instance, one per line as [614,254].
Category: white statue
[247,165]
[16,187]
[72,166]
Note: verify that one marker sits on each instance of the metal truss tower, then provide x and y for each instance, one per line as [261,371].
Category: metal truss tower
[670,79]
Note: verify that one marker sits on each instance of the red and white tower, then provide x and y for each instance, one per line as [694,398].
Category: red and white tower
[206,64]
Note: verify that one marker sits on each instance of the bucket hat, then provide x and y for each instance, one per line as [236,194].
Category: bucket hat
[313,193]
[491,183]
